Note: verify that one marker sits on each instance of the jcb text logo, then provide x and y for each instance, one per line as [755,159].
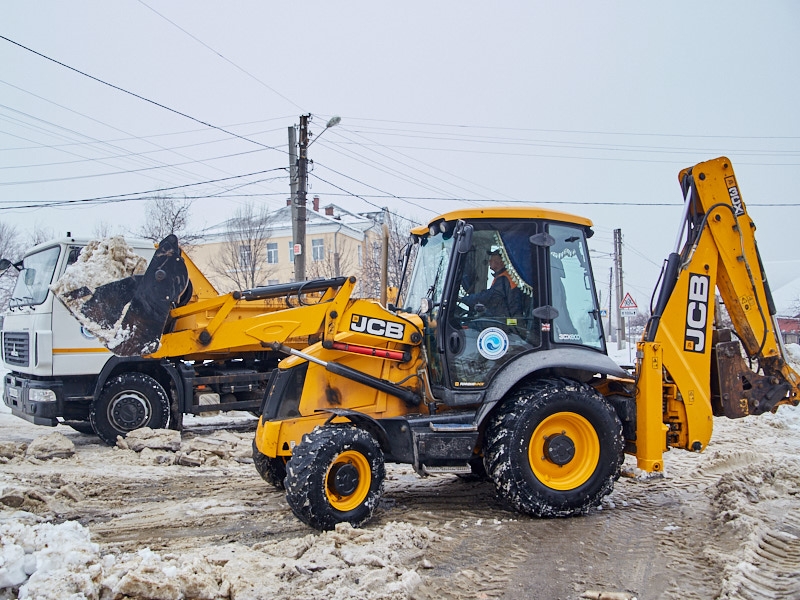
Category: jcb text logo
[736,199]
[696,314]
[389,329]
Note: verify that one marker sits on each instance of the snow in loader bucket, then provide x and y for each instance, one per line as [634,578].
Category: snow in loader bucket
[116,299]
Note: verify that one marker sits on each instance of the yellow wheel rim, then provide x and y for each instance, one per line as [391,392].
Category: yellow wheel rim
[347,481]
[564,451]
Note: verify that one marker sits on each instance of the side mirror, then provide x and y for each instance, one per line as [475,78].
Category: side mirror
[30,277]
[4,265]
[465,240]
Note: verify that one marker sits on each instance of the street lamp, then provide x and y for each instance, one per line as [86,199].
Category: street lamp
[299,207]
[332,122]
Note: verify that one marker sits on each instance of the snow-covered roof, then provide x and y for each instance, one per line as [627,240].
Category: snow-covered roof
[339,219]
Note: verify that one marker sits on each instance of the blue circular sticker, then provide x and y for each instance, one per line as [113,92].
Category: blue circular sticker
[492,343]
[86,333]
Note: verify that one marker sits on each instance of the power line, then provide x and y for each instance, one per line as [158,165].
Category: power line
[367,185]
[125,172]
[124,197]
[580,131]
[230,62]
[140,97]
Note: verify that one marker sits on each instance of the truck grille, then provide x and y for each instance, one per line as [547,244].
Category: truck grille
[16,348]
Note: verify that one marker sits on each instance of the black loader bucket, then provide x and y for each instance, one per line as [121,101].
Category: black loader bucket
[129,315]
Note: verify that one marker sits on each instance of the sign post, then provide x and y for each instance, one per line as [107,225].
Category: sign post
[628,308]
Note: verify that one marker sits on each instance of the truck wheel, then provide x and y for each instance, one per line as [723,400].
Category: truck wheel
[335,475]
[81,426]
[272,470]
[129,401]
[554,448]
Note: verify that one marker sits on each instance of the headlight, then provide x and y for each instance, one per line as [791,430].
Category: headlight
[38,395]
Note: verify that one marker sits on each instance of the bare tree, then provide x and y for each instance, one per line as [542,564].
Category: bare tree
[165,216]
[10,248]
[336,262]
[399,228]
[242,259]
[102,229]
[41,234]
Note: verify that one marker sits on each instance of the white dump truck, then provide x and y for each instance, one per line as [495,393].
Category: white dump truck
[57,372]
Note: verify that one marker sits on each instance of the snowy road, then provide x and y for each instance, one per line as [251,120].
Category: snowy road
[724,524]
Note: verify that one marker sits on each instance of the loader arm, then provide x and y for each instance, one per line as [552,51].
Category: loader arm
[173,311]
[689,369]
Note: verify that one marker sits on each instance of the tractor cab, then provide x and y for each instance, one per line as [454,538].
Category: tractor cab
[494,285]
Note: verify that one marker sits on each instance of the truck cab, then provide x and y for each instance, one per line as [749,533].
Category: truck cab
[52,362]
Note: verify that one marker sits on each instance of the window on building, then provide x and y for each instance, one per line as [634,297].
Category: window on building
[245,257]
[273,281]
[272,253]
[318,249]
[291,251]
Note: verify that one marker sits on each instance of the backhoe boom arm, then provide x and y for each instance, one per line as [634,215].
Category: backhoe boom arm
[688,368]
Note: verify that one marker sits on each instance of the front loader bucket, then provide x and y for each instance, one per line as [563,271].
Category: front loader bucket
[129,315]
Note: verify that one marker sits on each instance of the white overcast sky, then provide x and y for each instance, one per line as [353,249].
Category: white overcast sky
[585,107]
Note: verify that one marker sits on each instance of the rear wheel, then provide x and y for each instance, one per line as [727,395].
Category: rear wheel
[554,448]
[335,475]
[272,470]
[129,401]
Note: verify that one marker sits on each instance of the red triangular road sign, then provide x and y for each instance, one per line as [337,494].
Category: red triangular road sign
[628,302]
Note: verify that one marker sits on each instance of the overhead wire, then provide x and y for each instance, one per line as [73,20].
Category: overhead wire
[581,131]
[219,54]
[140,97]
[104,145]
[399,173]
[143,195]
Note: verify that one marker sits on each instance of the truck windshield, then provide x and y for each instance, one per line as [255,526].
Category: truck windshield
[430,269]
[35,278]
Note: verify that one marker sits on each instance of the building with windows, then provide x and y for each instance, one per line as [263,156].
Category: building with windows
[338,242]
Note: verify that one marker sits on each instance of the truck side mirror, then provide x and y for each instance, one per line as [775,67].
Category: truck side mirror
[30,277]
[465,240]
[4,265]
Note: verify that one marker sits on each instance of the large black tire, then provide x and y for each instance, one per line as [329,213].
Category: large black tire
[81,426]
[272,470]
[335,475]
[129,401]
[554,448]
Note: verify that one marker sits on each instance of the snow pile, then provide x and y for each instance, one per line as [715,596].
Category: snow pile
[100,262]
[165,447]
[52,445]
[42,560]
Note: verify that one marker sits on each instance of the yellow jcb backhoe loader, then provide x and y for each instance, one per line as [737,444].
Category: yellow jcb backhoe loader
[503,372]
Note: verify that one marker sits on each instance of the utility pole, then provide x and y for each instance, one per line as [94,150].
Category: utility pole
[293,189]
[620,288]
[299,185]
[610,298]
[299,203]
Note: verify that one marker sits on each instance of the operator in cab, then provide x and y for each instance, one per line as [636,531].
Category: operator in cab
[503,297]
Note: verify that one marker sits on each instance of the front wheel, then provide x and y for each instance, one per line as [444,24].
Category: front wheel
[554,448]
[129,401]
[335,475]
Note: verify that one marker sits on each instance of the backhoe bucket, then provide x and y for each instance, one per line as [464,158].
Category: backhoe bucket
[129,315]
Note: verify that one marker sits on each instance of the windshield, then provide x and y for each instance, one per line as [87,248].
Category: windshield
[430,269]
[35,278]
[578,320]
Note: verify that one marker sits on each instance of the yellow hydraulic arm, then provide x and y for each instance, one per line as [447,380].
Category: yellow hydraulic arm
[687,370]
